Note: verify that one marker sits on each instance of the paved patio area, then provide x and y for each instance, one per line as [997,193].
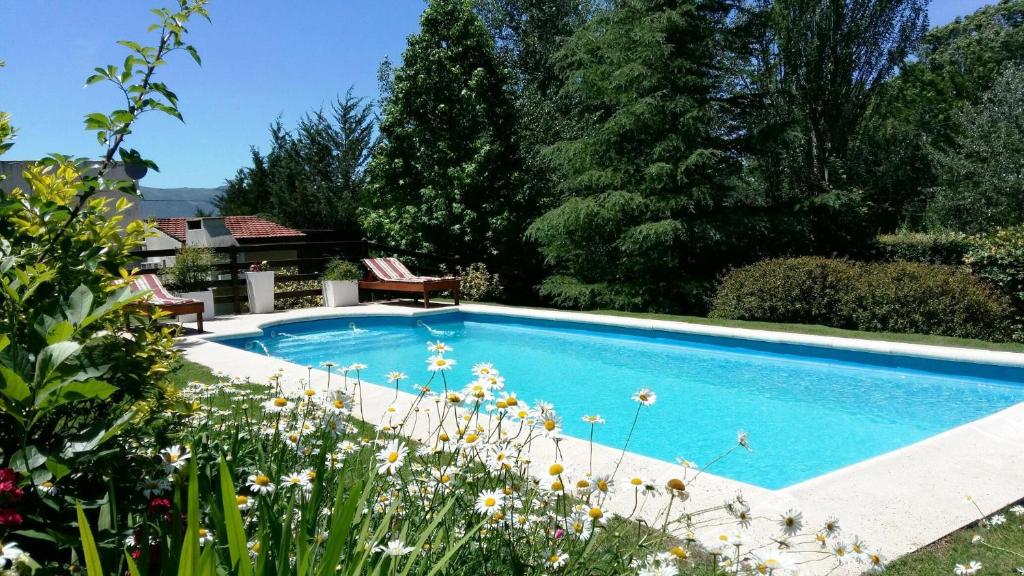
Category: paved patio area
[896,502]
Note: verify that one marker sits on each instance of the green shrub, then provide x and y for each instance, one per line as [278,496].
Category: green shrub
[927,299]
[908,297]
[999,258]
[807,290]
[948,248]
[192,268]
[478,284]
[342,271]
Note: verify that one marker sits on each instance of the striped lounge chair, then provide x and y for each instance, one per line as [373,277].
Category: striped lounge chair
[163,299]
[390,275]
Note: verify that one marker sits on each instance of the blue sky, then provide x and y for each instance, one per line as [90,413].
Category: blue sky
[261,59]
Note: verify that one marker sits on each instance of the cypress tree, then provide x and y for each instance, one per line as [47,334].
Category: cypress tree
[443,179]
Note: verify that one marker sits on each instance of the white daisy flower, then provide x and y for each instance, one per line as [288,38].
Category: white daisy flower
[390,459]
[438,347]
[970,569]
[645,396]
[295,479]
[791,522]
[174,457]
[260,483]
[439,363]
[393,548]
[490,502]
[556,559]
[9,553]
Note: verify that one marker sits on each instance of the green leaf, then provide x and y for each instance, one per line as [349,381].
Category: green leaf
[68,392]
[79,304]
[341,525]
[59,332]
[51,358]
[92,555]
[237,542]
[27,459]
[58,468]
[188,561]
[194,53]
[133,568]
[14,387]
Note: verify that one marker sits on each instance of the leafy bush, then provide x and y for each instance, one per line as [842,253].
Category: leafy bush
[889,297]
[999,258]
[342,270]
[81,361]
[478,284]
[932,248]
[192,268]
[927,299]
[798,290]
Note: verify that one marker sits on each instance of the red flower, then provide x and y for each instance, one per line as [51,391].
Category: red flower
[10,518]
[159,505]
[8,475]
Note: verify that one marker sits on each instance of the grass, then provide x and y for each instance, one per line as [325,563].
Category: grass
[812,329]
[942,556]
[187,371]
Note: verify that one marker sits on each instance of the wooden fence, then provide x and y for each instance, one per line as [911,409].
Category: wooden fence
[311,258]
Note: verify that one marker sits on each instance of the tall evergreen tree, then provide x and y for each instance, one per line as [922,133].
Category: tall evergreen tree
[313,176]
[443,179]
[646,180]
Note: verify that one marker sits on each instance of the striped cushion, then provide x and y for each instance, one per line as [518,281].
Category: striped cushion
[160,296]
[389,269]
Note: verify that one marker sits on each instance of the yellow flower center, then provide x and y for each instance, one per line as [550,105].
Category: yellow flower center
[511,401]
[679,552]
[393,457]
[471,437]
[556,485]
[262,480]
[595,513]
[554,559]
[581,484]
[549,425]
[280,402]
[339,404]
[441,362]
[310,392]
[490,501]
[255,547]
[556,469]
[676,484]
[203,532]
[241,500]
[602,485]
[443,437]
[445,478]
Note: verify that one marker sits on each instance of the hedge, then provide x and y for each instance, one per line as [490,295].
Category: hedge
[907,297]
[999,259]
[932,248]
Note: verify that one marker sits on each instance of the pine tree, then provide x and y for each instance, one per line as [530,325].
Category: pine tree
[647,178]
[443,179]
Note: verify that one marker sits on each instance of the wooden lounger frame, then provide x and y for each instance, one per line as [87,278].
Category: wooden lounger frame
[422,287]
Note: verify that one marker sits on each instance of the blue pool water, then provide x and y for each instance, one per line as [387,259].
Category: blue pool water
[808,410]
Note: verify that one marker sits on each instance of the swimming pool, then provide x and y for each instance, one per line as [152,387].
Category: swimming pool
[809,410]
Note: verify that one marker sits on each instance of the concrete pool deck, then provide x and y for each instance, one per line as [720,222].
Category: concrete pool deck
[896,502]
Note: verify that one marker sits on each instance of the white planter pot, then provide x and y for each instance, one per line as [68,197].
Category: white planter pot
[260,286]
[340,293]
[206,297]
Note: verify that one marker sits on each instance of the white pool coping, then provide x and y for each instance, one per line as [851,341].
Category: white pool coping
[897,502]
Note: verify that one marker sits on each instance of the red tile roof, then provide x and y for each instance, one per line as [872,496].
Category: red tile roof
[241,227]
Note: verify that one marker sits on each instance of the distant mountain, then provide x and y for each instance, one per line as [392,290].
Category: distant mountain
[177,202]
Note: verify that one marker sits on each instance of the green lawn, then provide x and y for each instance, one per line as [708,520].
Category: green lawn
[942,556]
[815,329]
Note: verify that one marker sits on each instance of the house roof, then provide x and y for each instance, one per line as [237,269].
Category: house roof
[241,227]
